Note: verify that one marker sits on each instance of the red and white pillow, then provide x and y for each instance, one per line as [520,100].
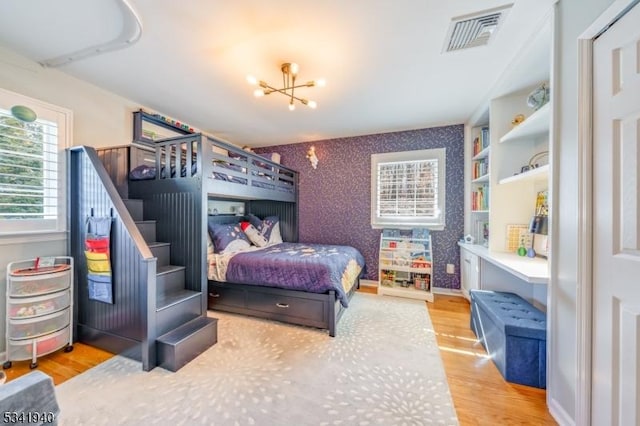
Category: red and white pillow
[253,234]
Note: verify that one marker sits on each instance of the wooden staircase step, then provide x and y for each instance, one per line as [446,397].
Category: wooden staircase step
[147,229]
[176,308]
[174,297]
[179,346]
[135,208]
[169,279]
[162,251]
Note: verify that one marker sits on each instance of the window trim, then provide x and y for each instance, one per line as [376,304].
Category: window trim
[64,118]
[438,154]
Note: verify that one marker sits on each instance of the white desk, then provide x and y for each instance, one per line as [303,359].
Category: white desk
[525,276]
[532,270]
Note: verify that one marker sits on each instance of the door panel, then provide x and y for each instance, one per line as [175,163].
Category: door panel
[616,233]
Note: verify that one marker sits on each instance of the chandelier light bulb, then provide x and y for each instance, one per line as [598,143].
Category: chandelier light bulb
[312,104]
[252,80]
[292,106]
[321,82]
[258,93]
[293,68]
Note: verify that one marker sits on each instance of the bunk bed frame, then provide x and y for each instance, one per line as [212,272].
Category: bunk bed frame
[186,172]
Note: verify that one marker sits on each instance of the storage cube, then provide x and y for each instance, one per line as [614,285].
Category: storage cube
[514,333]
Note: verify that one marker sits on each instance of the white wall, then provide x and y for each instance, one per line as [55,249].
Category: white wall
[100,118]
[574,17]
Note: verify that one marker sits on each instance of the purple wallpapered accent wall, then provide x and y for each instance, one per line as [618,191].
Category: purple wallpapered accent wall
[335,199]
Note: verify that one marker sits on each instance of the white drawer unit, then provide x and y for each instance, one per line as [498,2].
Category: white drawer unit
[39,308]
[28,307]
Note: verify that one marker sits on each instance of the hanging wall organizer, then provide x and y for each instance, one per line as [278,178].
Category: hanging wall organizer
[97,253]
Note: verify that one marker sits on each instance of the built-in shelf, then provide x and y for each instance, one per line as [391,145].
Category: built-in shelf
[536,124]
[482,154]
[483,178]
[479,211]
[538,174]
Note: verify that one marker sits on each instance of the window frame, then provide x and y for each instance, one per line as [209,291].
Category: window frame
[64,119]
[438,154]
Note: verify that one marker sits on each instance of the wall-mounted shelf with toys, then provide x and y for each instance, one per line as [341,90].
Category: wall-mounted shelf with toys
[148,128]
[406,263]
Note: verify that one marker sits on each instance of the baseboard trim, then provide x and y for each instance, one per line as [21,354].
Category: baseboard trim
[436,290]
[447,291]
[559,414]
[368,283]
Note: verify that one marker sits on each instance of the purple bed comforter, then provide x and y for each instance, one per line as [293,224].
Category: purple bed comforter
[315,268]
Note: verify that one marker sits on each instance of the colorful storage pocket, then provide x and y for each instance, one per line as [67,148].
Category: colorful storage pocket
[100,288]
[97,262]
[97,245]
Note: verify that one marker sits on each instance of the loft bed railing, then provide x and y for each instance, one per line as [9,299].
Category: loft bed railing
[127,326]
[223,169]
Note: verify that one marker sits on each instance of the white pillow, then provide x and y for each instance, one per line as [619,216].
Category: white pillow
[275,237]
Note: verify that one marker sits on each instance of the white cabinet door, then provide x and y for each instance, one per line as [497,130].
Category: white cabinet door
[469,271]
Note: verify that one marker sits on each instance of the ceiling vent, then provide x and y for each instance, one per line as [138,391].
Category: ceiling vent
[476,29]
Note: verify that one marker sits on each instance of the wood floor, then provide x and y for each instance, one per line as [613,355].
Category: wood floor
[480,395]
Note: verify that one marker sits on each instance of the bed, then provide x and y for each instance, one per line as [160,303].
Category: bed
[194,170]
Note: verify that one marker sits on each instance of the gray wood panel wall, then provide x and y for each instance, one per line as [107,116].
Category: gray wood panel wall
[116,161]
[125,318]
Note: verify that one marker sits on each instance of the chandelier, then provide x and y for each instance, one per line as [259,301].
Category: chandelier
[289,74]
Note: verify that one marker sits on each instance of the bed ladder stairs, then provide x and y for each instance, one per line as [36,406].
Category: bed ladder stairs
[184,332]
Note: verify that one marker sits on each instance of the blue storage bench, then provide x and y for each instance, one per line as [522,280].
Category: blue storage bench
[514,333]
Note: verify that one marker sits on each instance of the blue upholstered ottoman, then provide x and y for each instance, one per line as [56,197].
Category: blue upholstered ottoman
[514,333]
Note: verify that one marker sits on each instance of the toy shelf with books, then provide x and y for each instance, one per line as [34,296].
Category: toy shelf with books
[405,263]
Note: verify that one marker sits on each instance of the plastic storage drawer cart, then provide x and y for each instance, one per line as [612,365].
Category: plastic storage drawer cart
[39,308]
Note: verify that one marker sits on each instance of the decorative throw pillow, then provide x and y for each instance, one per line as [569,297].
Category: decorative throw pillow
[271,229]
[255,221]
[227,237]
[254,235]
[209,245]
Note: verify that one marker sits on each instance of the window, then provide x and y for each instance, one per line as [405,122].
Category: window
[408,189]
[33,137]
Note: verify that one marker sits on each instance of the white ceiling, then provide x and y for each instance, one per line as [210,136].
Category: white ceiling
[382,60]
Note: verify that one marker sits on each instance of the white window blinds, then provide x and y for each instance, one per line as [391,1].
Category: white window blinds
[408,189]
[28,168]
[33,136]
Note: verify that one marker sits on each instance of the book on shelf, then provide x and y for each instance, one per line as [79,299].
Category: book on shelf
[480,198]
[480,168]
[481,141]
[542,204]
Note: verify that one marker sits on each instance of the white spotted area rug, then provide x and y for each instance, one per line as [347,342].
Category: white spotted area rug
[382,368]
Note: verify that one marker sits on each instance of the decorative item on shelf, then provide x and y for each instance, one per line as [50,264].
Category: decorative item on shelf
[522,251]
[536,160]
[517,119]
[469,239]
[289,74]
[514,236]
[539,96]
[313,159]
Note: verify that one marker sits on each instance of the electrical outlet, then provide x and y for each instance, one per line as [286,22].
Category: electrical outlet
[451,269]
